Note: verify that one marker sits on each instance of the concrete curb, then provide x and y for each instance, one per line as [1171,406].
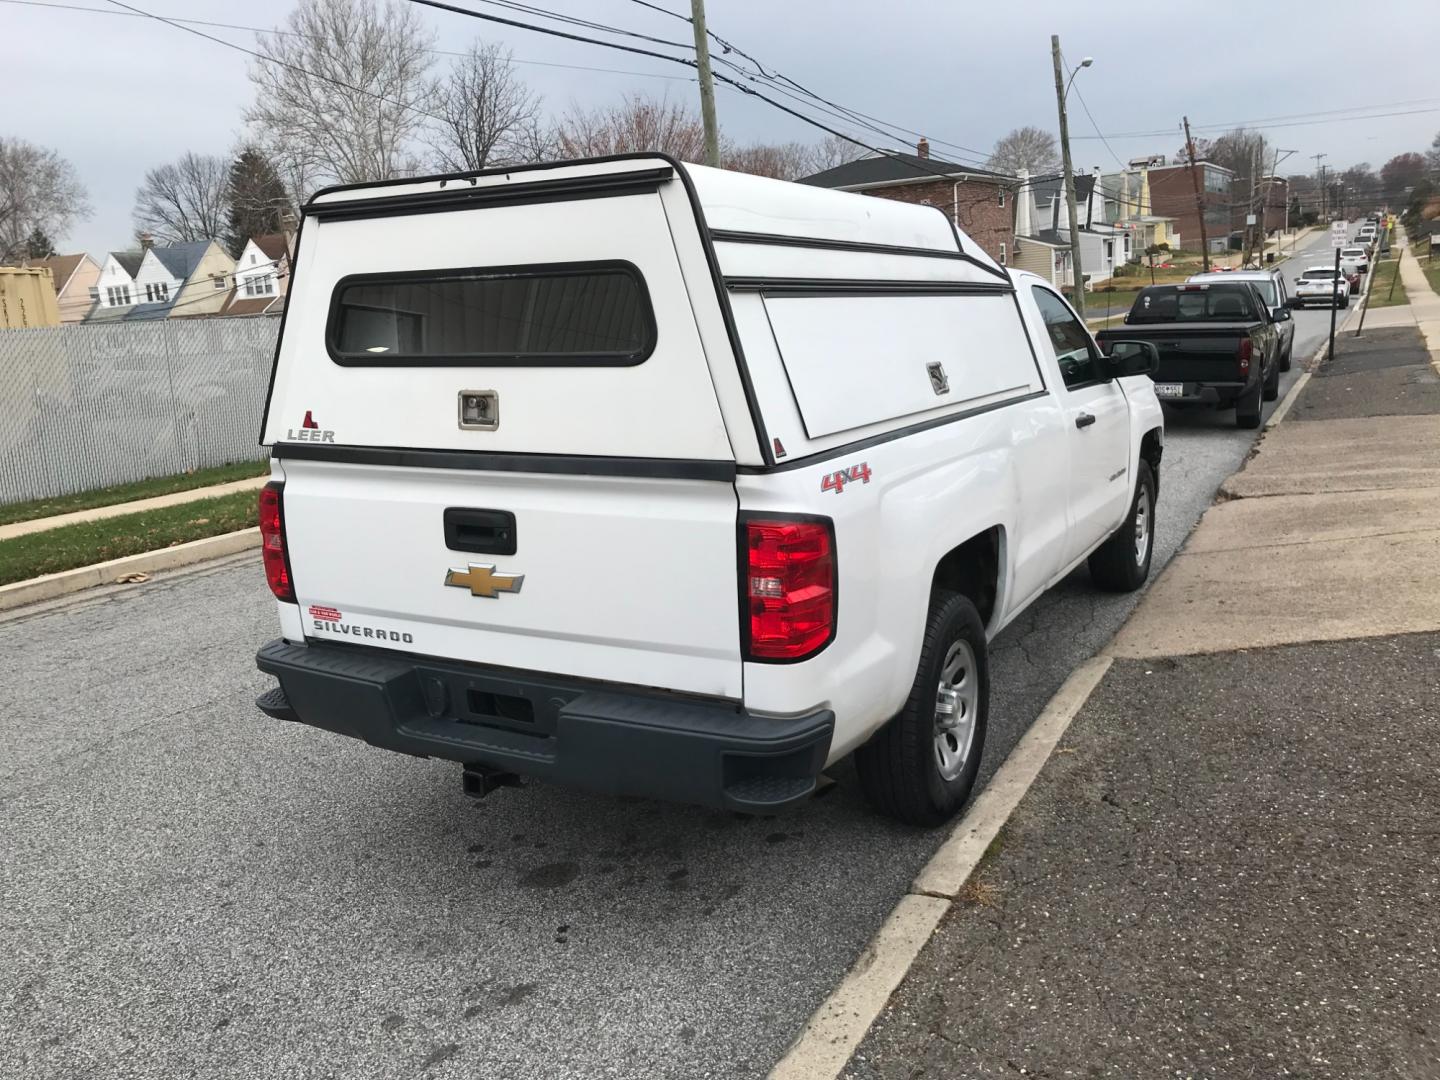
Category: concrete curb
[837,1027]
[148,562]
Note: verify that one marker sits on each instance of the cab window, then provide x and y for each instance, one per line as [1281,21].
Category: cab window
[1073,348]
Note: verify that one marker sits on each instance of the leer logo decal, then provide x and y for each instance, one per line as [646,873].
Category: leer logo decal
[309,431]
[482,579]
[855,474]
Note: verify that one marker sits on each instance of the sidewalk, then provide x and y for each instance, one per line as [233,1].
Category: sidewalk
[1424,302]
[1231,865]
[25,528]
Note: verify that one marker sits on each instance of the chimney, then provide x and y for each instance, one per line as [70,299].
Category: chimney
[146,241]
[922,148]
[1024,200]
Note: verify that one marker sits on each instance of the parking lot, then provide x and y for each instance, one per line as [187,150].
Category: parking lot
[192,888]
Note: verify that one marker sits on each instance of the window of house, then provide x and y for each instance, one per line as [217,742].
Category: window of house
[1073,347]
[1002,196]
[219,280]
[94,293]
[1002,254]
[254,258]
[125,289]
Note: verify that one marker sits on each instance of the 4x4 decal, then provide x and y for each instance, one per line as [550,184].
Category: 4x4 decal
[836,481]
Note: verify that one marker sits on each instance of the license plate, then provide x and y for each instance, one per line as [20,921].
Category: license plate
[1169,389]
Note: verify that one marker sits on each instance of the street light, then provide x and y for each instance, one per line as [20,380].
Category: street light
[1062,91]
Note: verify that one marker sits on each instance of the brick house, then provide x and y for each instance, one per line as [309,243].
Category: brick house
[1172,194]
[977,200]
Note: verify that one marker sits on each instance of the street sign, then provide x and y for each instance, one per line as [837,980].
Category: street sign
[1338,234]
[1250,219]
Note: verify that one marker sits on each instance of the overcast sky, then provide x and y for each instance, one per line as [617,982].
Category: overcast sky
[119,94]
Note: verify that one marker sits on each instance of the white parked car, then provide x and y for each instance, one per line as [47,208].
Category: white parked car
[1321,285]
[676,482]
[1356,258]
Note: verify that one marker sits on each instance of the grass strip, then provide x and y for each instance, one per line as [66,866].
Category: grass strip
[89,542]
[1385,287]
[122,493]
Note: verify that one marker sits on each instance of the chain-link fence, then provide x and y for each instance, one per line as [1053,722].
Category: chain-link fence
[91,405]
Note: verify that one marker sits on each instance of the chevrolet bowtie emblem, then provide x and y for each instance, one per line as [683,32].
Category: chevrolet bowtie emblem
[482,580]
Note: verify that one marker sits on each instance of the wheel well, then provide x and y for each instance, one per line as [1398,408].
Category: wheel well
[973,569]
[1151,450]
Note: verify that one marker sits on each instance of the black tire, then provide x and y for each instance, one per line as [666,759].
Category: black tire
[899,767]
[1344,303]
[1115,565]
[1247,410]
[1285,360]
[1270,389]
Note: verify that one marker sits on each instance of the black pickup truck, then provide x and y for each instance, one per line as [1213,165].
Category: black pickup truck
[1218,343]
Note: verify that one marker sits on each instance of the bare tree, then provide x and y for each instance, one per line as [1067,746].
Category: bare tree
[483,110]
[783,161]
[638,124]
[831,151]
[1029,148]
[184,200]
[38,191]
[340,95]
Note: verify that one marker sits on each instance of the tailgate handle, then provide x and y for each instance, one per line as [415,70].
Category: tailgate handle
[485,532]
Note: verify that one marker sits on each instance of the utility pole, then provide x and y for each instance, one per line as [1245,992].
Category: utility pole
[1079,278]
[1199,200]
[707,83]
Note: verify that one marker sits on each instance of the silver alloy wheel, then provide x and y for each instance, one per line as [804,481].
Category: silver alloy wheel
[1142,527]
[957,702]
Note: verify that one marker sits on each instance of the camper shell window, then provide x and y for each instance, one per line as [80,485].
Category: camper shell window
[584,314]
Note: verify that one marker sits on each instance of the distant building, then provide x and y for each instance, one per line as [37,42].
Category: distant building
[1172,194]
[76,279]
[977,200]
[262,276]
[173,281]
[27,298]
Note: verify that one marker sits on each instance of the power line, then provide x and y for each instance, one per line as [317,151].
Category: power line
[290,33]
[442,6]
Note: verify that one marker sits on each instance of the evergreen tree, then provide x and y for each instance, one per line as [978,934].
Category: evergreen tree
[38,245]
[259,202]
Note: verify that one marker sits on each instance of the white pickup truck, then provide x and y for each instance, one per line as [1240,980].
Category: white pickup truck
[674,482]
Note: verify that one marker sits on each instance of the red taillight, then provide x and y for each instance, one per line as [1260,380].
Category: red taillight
[789,587]
[1247,347]
[272,542]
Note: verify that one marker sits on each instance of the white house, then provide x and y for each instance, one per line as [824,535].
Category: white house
[1042,231]
[262,276]
[115,287]
[154,281]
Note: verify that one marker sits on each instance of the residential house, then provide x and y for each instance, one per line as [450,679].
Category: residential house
[76,280]
[204,272]
[27,298]
[262,276]
[1128,208]
[976,200]
[1042,232]
[1172,194]
[115,285]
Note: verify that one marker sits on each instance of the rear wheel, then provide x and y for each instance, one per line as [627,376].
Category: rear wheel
[1122,563]
[921,766]
[1247,410]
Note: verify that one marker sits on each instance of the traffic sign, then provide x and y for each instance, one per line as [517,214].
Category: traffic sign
[1339,232]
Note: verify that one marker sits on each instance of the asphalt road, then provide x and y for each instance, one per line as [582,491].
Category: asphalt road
[189,888]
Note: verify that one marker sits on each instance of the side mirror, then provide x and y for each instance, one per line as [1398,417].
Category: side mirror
[1132,358]
[1281,314]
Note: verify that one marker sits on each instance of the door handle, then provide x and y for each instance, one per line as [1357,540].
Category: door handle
[1084,420]
[485,532]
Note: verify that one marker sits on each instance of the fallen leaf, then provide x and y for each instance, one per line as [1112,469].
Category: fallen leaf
[132,579]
